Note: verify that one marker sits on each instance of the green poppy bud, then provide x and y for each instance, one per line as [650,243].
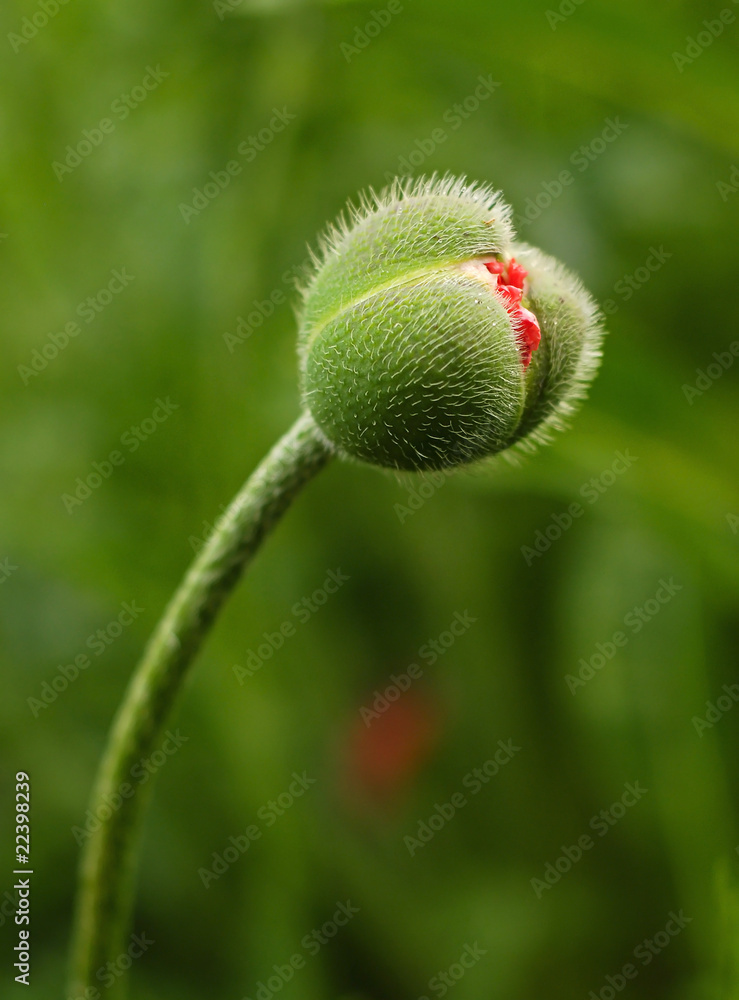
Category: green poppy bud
[429,338]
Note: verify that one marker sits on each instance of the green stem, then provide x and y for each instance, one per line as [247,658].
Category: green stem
[107,870]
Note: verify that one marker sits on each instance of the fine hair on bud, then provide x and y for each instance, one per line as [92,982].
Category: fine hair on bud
[430,338]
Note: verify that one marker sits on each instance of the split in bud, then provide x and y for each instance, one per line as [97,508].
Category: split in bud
[429,338]
[510,286]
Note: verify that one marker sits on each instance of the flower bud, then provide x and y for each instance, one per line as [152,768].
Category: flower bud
[429,338]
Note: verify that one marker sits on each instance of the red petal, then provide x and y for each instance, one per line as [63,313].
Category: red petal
[495,266]
[511,276]
[528,334]
[511,295]
[516,273]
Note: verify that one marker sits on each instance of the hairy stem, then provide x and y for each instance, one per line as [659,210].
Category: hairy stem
[107,870]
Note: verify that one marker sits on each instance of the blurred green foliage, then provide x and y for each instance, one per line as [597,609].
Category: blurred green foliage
[672,515]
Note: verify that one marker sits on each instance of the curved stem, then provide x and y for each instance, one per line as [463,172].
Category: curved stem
[107,869]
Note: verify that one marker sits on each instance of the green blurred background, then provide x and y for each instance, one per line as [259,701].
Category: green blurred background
[674,514]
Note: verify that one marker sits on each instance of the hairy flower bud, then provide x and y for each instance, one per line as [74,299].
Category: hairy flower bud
[429,338]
